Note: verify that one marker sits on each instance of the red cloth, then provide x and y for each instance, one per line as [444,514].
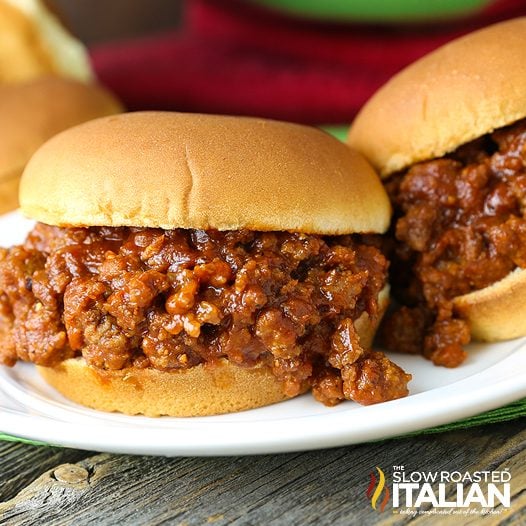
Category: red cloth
[232,57]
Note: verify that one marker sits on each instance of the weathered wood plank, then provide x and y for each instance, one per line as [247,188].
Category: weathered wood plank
[314,488]
[22,464]
[498,455]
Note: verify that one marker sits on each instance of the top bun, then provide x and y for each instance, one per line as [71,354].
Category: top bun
[175,170]
[461,91]
[32,112]
[33,43]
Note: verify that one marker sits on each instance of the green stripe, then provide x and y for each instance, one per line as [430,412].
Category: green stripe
[10,438]
[375,10]
[340,132]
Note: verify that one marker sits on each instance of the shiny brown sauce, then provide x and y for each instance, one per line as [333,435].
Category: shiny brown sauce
[132,297]
[460,225]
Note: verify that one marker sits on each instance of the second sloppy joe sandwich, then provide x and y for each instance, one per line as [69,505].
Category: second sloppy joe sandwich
[449,135]
[191,265]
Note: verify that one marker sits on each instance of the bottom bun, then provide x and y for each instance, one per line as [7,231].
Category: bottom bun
[202,390]
[199,391]
[365,328]
[497,312]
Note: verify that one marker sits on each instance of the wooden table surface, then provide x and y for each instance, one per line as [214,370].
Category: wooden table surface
[50,486]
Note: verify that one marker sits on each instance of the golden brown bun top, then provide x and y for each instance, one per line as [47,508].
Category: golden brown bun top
[461,91]
[34,43]
[177,170]
[32,112]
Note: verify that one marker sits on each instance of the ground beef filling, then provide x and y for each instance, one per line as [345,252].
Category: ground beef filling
[129,297]
[460,226]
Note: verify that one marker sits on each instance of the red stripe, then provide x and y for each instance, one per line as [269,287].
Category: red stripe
[386,498]
[371,486]
[235,58]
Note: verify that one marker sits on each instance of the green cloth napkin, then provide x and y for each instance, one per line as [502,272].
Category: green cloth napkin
[9,438]
[502,414]
[340,132]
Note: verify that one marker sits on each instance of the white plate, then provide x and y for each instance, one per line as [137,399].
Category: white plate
[493,375]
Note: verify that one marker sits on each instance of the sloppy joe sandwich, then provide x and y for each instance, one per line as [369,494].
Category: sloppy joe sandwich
[195,264]
[32,112]
[448,134]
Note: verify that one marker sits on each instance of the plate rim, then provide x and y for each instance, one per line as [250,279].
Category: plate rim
[497,385]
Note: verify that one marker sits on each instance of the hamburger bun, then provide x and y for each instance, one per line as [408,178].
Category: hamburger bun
[462,91]
[33,43]
[204,172]
[496,312]
[174,170]
[200,391]
[32,112]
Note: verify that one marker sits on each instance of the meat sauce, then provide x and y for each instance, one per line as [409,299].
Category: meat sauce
[170,300]
[460,225]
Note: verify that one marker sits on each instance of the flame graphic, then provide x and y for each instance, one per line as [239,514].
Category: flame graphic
[378,490]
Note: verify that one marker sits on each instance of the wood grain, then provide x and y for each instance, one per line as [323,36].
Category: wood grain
[313,488]
[21,464]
